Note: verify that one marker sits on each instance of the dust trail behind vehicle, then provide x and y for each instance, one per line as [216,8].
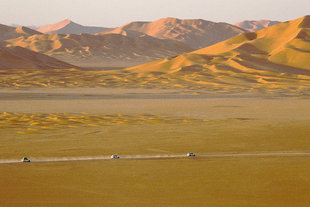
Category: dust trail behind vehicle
[133,157]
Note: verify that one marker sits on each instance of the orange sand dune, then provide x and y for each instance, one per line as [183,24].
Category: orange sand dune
[21,58]
[98,50]
[68,27]
[196,33]
[276,58]
[253,26]
[278,46]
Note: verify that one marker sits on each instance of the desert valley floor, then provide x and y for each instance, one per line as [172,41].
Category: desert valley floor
[57,123]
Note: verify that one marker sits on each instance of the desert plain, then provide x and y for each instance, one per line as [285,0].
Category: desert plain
[72,123]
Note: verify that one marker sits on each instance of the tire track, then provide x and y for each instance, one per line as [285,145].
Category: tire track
[140,157]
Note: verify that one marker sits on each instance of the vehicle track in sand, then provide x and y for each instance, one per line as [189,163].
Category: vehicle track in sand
[140,157]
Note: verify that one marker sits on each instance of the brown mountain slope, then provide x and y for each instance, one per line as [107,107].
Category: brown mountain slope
[7,32]
[276,58]
[196,33]
[68,27]
[101,50]
[253,26]
[21,58]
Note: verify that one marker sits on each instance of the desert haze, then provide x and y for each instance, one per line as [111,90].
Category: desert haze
[137,116]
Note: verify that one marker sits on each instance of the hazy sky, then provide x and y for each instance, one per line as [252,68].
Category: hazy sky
[112,13]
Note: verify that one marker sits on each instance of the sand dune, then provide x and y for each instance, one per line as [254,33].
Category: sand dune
[21,58]
[101,50]
[196,33]
[27,123]
[283,47]
[253,26]
[275,58]
[7,32]
[69,27]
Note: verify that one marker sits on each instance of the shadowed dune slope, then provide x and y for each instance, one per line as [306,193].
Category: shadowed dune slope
[68,27]
[21,58]
[253,26]
[196,33]
[89,50]
[7,32]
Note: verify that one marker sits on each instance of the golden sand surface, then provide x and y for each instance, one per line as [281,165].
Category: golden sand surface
[156,138]
[188,80]
[32,122]
[221,182]
[57,128]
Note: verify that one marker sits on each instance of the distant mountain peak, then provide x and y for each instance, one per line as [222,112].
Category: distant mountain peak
[173,20]
[196,33]
[67,26]
[168,19]
[54,27]
[66,21]
[255,25]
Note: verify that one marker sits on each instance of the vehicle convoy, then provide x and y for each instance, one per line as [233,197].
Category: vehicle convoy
[190,154]
[114,156]
[25,159]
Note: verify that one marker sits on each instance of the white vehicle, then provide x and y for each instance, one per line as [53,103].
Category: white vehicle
[114,156]
[25,159]
[190,154]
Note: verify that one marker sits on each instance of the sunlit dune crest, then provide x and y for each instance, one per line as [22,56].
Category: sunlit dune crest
[196,33]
